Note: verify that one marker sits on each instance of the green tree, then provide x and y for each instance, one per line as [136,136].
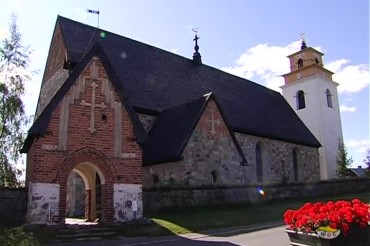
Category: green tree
[14,61]
[343,161]
[367,162]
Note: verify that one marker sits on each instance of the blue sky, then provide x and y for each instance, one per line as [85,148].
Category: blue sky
[245,37]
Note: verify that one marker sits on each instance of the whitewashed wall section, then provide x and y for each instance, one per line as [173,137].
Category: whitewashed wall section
[128,202]
[43,205]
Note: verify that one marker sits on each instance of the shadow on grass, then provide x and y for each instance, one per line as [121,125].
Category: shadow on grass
[186,238]
[238,218]
[157,233]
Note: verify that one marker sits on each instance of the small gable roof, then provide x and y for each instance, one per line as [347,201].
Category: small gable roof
[173,128]
[39,127]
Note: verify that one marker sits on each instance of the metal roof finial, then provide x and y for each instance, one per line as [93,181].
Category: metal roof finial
[196,56]
[303,42]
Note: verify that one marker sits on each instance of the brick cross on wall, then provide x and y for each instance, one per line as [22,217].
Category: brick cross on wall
[93,105]
[213,122]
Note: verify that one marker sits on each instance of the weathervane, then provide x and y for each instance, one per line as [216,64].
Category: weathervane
[303,41]
[94,12]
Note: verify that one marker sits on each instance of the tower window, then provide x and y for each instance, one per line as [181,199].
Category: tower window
[301,103]
[329,98]
[300,63]
[317,61]
[214,176]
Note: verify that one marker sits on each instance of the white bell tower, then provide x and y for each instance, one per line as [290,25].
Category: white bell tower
[312,93]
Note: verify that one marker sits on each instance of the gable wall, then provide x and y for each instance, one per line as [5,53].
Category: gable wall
[54,75]
[146,121]
[69,133]
[57,54]
[206,152]
[48,148]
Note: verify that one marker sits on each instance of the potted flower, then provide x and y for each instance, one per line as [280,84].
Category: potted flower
[330,223]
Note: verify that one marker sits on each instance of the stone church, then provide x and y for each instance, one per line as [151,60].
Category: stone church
[125,115]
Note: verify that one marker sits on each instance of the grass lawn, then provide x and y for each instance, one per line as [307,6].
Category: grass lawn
[184,220]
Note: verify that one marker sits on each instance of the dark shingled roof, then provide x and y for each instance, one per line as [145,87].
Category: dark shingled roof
[178,122]
[359,171]
[154,80]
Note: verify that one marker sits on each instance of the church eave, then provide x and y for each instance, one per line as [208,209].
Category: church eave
[162,161]
[308,48]
[315,144]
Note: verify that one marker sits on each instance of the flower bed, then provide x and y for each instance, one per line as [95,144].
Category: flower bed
[329,220]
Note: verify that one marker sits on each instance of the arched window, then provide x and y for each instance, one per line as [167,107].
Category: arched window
[214,176]
[317,61]
[329,98]
[301,103]
[155,179]
[259,167]
[295,164]
[300,63]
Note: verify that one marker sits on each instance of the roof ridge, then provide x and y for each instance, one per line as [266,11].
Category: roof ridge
[162,49]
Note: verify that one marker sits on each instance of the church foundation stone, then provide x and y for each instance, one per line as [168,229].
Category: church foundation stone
[43,204]
[128,203]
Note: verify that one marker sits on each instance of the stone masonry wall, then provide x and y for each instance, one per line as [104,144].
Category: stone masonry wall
[146,121]
[277,160]
[206,153]
[210,150]
[13,206]
[75,200]
[166,197]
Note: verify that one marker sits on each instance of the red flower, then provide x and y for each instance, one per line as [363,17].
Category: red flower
[338,215]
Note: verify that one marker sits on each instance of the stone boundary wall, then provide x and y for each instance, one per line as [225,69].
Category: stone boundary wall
[13,201]
[13,206]
[167,197]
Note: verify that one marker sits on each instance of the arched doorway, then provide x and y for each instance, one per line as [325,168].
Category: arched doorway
[84,186]
[98,174]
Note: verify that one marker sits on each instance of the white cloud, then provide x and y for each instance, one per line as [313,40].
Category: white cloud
[351,78]
[359,145]
[344,108]
[265,64]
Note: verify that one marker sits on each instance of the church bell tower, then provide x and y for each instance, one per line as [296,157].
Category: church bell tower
[312,93]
